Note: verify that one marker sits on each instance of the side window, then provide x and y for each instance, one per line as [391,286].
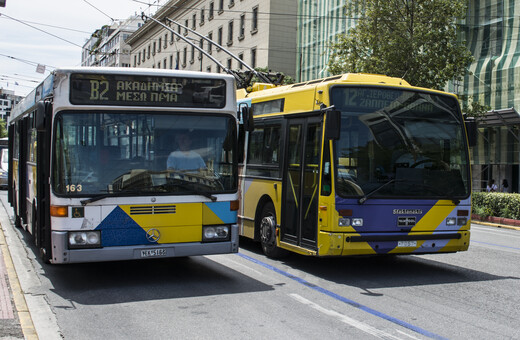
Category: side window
[264,146]
[271,151]
[255,146]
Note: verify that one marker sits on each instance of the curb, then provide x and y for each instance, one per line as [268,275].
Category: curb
[24,315]
[497,225]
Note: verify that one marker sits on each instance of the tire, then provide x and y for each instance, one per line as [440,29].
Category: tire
[267,230]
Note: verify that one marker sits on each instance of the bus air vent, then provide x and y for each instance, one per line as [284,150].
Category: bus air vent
[152,210]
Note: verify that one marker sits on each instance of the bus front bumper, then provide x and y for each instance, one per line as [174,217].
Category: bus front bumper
[61,253]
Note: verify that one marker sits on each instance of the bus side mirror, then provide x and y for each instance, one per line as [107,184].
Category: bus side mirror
[332,124]
[247,118]
[471,130]
[41,113]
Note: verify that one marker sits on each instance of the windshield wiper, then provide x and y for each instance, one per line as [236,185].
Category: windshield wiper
[111,194]
[366,196]
[429,187]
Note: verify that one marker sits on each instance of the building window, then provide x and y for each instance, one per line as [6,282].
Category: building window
[220,6]
[202,17]
[231,3]
[219,37]
[179,30]
[171,38]
[171,62]
[184,56]
[208,69]
[164,63]
[177,60]
[211,10]
[230,33]
[210,45]
[254,21]
[201,45]
[144,54]
[229,64]
[192,59]
[194,24]
[135,59]
[165,40]
[149,54]
[241,57]
[242,28]
[253,57]
[159,45]
[186,24]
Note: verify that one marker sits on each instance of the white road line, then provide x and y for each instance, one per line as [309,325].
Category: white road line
[345,319]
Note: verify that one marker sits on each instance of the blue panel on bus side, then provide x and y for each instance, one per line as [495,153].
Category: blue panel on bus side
[223,212]
[119,229]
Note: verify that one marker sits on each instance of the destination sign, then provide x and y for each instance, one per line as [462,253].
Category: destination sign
[139,90]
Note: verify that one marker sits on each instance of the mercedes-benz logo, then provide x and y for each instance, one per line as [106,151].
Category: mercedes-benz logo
[153,235]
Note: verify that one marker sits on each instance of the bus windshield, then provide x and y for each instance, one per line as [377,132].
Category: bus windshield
[399,144]
[97,153]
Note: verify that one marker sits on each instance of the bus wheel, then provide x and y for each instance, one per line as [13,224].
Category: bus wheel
[268,232]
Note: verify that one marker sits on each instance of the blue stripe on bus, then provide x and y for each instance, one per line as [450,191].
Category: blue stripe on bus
[221,209]
[345,300]
[119,229]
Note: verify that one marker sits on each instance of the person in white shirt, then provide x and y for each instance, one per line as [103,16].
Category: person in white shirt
[491,187]
[184,158]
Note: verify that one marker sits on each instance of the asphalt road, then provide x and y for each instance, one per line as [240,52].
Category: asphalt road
[469,295]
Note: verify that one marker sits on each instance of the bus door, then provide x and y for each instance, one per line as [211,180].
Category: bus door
[301,180]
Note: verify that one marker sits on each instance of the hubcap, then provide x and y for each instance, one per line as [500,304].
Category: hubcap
[267,229]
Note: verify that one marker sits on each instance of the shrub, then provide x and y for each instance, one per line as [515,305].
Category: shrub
[496,204]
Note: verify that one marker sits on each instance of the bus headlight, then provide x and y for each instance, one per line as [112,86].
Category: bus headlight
[451,221]
[84,239]
[357,222]
[212,233]
[344,222]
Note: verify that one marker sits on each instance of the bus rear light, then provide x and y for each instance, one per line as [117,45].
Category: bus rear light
[215,233]
[234,205]
[84,239]
[59,211]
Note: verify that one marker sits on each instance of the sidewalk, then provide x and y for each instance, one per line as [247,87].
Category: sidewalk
[15,319]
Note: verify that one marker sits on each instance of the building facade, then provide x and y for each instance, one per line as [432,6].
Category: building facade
[261,33]
[7,100]
[319,21]
[107,46]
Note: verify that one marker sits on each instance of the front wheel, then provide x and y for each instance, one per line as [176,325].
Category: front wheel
[268,232]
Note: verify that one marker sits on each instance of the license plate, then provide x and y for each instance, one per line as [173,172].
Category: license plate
[153,252]
[407,243]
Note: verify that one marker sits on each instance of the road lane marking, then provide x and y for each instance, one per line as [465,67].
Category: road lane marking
[345,319]
[344,299]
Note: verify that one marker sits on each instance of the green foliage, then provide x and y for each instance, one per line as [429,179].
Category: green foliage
[286,79]
[473,108]
[496,204]
[3,129]
[412,39]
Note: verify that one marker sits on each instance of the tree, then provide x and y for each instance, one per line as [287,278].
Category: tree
[411,39]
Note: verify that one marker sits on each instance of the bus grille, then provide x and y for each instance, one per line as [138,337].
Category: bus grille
[152,210]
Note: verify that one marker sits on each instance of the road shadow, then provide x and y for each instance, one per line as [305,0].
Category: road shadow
[129,281]
[375,272]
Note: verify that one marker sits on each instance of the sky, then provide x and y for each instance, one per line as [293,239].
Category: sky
[51,33]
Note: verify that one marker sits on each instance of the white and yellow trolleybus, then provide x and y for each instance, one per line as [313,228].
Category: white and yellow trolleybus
[91,176]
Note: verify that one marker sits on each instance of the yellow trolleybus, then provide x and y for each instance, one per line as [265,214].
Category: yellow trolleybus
[119,163]
[355,164]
